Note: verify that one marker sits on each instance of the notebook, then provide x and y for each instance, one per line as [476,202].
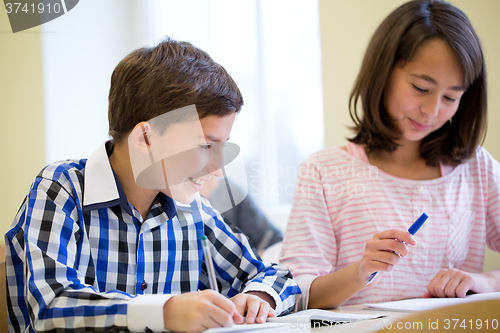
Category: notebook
[298,321]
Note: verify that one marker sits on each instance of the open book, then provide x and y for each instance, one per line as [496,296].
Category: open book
[298,321]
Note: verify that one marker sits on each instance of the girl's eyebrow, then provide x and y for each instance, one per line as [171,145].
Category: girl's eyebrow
[431,80]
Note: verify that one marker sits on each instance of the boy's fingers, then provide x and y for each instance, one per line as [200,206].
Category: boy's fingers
[220,317]
[222,302]
[263,312]
[240,304]
[253,305]
[238,318]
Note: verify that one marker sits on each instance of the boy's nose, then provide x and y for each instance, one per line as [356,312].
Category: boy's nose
[218,173]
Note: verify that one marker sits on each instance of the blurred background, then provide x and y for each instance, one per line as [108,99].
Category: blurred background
[295,62]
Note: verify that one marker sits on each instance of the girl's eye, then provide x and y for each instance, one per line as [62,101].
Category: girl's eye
[419,89]
[450,99]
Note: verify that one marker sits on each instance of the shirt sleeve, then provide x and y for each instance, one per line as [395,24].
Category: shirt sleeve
[239,269]
[309,246]
[493,212]
[57,297]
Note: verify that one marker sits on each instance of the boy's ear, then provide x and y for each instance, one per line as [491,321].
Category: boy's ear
[141,137]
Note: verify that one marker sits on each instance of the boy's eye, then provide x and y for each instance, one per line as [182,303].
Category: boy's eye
[206,146]
[419,89]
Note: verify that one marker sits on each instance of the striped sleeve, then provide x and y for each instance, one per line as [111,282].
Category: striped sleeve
[493,208]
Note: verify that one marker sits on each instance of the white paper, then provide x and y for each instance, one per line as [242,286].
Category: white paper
[315,314]
[422,304]
[274,327]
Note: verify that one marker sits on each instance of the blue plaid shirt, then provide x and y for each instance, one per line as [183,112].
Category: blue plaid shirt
[80,257]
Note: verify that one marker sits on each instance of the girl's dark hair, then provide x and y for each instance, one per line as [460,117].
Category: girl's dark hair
[151,81]
[395,40]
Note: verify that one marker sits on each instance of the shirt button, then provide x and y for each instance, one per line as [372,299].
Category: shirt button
[144,285]
[420,188]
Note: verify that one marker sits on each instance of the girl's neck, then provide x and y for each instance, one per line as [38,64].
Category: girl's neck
[407,153]
[404,162]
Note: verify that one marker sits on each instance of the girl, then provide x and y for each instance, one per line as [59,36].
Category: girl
[419,108]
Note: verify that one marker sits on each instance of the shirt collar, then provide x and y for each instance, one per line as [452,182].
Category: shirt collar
[102,188]
[190,207]
[100,185]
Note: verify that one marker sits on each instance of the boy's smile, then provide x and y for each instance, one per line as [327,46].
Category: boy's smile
[202,158]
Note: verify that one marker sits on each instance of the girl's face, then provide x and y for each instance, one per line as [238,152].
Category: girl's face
[423,94]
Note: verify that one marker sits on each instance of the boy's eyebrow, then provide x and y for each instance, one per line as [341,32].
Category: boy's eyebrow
[213,139]
[431,80]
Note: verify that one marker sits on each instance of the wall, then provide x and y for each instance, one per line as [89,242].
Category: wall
[80,51]
[21,116]
[346,27]
[52,75]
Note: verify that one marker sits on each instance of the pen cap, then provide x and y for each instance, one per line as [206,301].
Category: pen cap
[418,223]
[204,240]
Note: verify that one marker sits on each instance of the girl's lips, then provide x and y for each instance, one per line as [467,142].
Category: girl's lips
[418,126]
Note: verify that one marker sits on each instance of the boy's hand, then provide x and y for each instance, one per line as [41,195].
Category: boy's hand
[255,305]
[384,251]
[199,311]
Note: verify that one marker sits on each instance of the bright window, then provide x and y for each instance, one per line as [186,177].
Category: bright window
[272,51]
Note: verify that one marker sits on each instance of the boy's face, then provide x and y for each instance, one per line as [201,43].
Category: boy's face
[182,157]
[201,156]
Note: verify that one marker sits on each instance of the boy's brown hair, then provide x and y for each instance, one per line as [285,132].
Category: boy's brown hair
[151,81]
[395,41]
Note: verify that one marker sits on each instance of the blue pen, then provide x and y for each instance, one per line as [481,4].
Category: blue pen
[412,230]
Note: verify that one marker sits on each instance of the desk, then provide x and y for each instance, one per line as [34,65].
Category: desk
[464,317]
[475,316]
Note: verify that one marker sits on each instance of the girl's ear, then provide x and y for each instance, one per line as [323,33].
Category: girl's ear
[141,137]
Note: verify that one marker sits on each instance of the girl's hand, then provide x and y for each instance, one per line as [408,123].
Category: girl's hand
[255,305]
[456,283]
[384,251]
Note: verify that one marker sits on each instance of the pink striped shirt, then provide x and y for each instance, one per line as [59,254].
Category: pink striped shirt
[341,201]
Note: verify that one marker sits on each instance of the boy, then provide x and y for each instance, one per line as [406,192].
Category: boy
[100,244]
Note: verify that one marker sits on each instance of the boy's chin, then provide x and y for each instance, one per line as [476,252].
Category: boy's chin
[184,200]
[179,194]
